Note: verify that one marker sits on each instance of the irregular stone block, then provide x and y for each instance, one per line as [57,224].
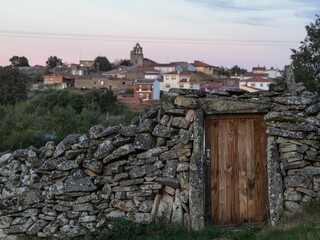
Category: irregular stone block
[163,131]
[104,149]
[95,131]
[146,125]
[119,152]
[154,152]
[67,165]
[297,181]
[93,165]
[284,133]
[79,185]
[170,169]
[180,122]
[128,131]
[173,154]
[144,141]
[168,182]
[292,195]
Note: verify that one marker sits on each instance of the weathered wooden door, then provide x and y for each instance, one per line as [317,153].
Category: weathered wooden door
[236,146]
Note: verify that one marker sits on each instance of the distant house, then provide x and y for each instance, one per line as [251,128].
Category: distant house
[205,68]
[59,80]
[165,67]
[172,80]
[189,84]
[184,66]
[249,75]
[146,89]
[101,81]
[273,73]
[259,69]
[119,73]
[257,82]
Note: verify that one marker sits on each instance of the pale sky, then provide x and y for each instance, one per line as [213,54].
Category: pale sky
[219,32]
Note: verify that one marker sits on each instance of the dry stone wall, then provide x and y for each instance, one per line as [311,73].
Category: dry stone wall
[154,167]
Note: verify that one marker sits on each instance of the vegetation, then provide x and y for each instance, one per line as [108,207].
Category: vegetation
[53,61]
[306,59]
[17,61]
[102,64]
[13,86]
[54,115]
[301,226]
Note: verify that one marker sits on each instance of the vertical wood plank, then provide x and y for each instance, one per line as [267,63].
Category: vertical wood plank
[222,171]
[250,169]
[214,170]
[242,174]
[259,150]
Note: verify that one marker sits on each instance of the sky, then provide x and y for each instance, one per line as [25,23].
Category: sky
[225,33]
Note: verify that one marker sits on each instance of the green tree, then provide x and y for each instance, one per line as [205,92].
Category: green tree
[125,62]
[102,64]
[224,71]
[17,61]
[306,59]
[237,70]
[53,61]
[13,86]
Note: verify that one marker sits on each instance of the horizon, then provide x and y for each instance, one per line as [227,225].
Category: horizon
[246,33]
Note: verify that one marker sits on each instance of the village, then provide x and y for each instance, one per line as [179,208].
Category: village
[147,80]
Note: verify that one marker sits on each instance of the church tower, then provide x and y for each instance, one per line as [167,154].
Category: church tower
[136,56]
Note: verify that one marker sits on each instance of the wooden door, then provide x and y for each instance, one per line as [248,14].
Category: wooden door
[237,149]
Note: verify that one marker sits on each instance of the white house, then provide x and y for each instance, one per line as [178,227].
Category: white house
[257,82]
[273,73]
[172,80]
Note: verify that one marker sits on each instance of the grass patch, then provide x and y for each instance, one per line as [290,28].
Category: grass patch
[301,226]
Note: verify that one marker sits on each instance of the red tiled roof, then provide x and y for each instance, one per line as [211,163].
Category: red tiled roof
[200,64]
[259,69]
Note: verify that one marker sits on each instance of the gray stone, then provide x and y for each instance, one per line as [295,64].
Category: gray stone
[297,127]
[95,131]
[152,152]
[5,221]
[30,197]
[121,140]
[307,192]
[183,101]
[146,125]
[315,108]
[303,148]
[61,148]
[124,206]
[185,136]
[82,185]
[297,181]
[67,165]
[106,191]
[93,165]
[130,182]
[291,195]
[183,167]
[183,179]
[115,214]
[287,147]
[163,131]
[128,131]
[144,141]
[172,154]
[119,152]
[142,217]
[4,158]
[170,169]
[180,122]
[284,133]
[104,149]
[292,206]
[291,157]
[146,206]
[108,132]
[177,211]
[168,182]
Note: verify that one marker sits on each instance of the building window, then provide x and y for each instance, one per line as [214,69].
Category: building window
[139,88]
[167,85]
[102,82]
[261,84]
[181,85]
[252,84]
[167,77]
[173,77]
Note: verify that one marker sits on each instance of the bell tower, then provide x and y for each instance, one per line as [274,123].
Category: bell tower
[136,55]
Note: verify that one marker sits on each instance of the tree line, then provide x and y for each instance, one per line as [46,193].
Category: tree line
[55,114]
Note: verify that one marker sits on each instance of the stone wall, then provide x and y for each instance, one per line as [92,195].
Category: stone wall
[154,167]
